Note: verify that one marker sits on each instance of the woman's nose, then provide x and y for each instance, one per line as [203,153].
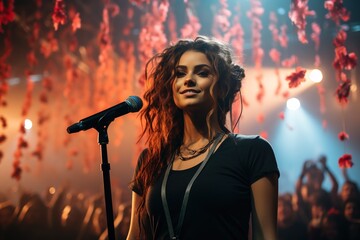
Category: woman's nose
[190,81]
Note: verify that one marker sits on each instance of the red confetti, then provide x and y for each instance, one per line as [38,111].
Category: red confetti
[282,115]
[264,134]
[283,38]
[254,14]
[333,211]
[324,124]
[343,60]
[299,10]
[273,28]
[31,59]
[343,91]
[3,122]
[260,118]
[286,94]
[340,38]
[221,20]
[5,70]
[289,62]
[343,136]
[337,11]
[315,36]
[317,62]
[59,15]
[275,55]
[2,138]
[76,22]
[345,161]
[6,13]
[296,77]
[22,143]
[192,28]
[16,170]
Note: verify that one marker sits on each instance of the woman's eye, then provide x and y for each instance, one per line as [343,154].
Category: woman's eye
[180,74]
[203,74]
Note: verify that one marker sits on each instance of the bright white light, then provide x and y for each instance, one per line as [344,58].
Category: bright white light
[28,124]
[316,75]
[293,104]
[353,87]
[281,11]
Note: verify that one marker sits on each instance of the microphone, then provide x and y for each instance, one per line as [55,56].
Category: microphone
[131,104]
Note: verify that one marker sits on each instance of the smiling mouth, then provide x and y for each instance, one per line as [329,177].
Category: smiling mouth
[189,91]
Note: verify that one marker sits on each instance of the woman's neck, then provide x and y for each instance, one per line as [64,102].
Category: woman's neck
[196,129]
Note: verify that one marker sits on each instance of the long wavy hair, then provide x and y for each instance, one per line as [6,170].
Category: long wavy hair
[162,120]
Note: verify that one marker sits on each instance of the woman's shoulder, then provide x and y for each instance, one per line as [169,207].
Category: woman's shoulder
[249,142]
[247,139]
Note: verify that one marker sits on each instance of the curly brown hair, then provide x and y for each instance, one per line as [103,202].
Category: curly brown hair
[163,120]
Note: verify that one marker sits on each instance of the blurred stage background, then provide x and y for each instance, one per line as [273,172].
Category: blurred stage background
[95,59]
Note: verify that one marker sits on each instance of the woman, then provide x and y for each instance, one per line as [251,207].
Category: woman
[196,180]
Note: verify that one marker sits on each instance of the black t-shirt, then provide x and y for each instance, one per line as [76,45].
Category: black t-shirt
[219,203]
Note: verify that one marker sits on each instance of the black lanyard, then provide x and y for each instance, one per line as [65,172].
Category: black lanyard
[175,235]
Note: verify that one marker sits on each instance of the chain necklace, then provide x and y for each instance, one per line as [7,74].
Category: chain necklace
[194,153]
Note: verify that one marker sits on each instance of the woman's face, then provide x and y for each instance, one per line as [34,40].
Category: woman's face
[194,79]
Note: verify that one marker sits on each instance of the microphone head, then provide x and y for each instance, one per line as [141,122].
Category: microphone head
[135,103]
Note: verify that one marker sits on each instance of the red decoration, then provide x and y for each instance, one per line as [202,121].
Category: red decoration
[16,170]
[6,13]
[333,211]
[283,38]
[343,91]
[192,28]
[254,15]
[275,55]
[264,134]
[345,161]
[324,124]
[315,36]
[296,77]
[282,115]
[343,60]
[59,15]
[299,10]
[289,62]
[76,22]
[343,136]
[340,38]
[337,11]
[3,122]
[221,20]
[2,138]
[260,118]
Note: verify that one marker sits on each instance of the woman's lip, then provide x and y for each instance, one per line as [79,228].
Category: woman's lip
[189,91]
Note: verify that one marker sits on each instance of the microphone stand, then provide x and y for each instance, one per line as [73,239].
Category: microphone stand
[103,140]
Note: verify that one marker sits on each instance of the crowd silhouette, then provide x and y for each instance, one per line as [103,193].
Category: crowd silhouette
[61,214]
[309,212]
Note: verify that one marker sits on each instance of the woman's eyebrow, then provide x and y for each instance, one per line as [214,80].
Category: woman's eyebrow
[196,67]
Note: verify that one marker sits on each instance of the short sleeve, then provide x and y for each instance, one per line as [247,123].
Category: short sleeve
[136,185]
[262,159]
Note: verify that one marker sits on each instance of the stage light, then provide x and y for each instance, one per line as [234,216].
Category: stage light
[52,190]
[281,11]
[28,124]
[316,75]
[353,88]
[355,28]
[293,104]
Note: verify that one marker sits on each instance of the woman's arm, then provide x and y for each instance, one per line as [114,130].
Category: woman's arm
[334,182]
[134,229]
[264,208]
